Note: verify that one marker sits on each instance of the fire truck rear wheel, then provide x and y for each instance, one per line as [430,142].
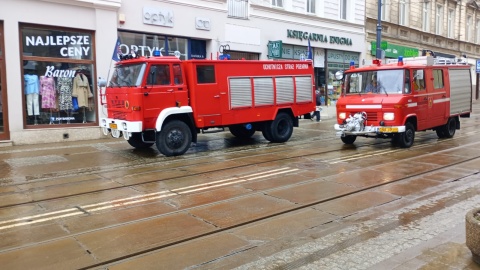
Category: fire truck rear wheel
[267,131]
[281,128]
[241,132]
[450,128]
[174,139]
[137,142]
[405,139]
[348,139]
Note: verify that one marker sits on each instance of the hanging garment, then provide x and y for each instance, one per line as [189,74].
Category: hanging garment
[64,90]
[47,91]
[81,89]
[32,84]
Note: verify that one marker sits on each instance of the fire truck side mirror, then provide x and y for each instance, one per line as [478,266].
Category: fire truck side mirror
[101,82]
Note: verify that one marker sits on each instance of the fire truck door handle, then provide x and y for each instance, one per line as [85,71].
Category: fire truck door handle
[216,96]
[170,90]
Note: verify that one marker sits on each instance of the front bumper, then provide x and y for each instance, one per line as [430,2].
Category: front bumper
[118,127]
[368,131]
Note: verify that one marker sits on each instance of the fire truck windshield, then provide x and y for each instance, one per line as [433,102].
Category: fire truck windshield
[377,81]
[127,75]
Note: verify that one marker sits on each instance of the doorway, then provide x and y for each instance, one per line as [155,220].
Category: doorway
[4,132]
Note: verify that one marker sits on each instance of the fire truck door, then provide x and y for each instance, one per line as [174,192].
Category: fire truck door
[437,98]
[420,97]
[159,91]
[208,96]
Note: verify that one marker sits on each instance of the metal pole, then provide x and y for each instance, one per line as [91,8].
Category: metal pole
[379,53]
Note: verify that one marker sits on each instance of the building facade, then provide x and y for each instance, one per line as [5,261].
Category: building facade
[53,52]
[448,29]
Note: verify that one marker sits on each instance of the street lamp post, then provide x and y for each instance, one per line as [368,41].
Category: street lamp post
[379,52]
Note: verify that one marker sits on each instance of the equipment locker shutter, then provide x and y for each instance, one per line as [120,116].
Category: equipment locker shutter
[240,92]
[304,88]
[284,86]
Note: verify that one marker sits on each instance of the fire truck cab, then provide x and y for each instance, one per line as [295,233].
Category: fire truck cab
[396,99]
[167,102]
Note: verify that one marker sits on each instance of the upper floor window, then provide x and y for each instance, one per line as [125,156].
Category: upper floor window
[426,17]
[477,36]
[402,12]
[385,10]
[277,3]
[311,6]
[343,9]
[451,23]
[238,9]
[439,20]
[468,30]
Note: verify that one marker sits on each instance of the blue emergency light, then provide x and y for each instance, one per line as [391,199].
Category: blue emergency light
[156,53]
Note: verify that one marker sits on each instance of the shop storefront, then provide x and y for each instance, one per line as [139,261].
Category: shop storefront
[59,76]
[50,62]
[337,61]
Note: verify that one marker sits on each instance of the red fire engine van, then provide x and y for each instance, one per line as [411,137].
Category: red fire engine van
[396,99]
[167,102]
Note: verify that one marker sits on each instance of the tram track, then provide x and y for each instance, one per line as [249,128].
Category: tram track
[267,191]
[277,214]
[280,149]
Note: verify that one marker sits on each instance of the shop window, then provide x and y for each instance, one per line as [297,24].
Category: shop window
[58,73]
[205,74]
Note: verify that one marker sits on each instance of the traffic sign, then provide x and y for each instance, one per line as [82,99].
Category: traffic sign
[478,66]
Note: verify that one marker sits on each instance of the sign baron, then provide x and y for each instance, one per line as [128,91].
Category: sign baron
[319,37]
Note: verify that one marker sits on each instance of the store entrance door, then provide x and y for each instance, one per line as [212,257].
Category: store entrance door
[4,132]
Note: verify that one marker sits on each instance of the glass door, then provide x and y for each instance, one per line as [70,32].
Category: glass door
[4,133]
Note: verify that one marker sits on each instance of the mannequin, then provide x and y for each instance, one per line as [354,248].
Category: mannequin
[32,91]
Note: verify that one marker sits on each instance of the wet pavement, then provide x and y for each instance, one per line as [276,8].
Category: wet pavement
[311,203]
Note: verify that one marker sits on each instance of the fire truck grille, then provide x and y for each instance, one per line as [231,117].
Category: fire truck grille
[372,117]
[120,115]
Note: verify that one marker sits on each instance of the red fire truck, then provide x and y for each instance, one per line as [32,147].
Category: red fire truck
[165,101]
[396,99]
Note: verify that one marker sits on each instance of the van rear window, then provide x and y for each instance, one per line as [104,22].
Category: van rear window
[205,74]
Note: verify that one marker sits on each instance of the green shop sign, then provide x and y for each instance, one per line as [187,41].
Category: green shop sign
[394,51]
[275,49]
[319,37]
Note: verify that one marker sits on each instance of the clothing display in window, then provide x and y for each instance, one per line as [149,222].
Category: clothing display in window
[64,90]
[48,92]
[32,91]
[81,89]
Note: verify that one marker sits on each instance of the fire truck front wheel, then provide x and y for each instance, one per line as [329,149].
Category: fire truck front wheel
[405,139]
[348,139]
[174,139]
[281,128]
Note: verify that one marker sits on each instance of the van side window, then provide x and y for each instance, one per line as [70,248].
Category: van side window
[205,74]
[437,78]
[177,74]
[418,81]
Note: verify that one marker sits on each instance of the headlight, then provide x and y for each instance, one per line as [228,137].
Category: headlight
[104,122]
[342,115]
[388,116]
[124,126]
